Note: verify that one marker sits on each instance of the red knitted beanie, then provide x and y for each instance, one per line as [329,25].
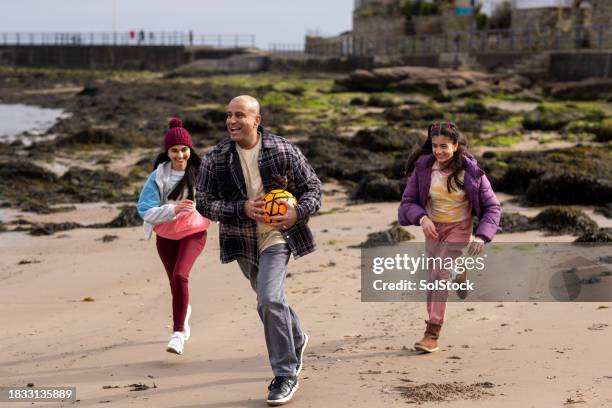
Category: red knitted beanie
[176,135]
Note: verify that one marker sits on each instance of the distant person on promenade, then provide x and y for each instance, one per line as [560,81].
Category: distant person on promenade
[167,206]
[234,178]
[445,190]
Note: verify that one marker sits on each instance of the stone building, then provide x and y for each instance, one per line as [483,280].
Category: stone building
[569,24]
[601,12]
[384,19]
[560,14]
[378,18]
[376,21]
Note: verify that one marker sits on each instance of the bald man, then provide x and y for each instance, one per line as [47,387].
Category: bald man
[234,178]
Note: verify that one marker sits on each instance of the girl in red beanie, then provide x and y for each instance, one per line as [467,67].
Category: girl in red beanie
[167,206]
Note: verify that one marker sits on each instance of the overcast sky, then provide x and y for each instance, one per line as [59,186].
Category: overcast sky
[284,21]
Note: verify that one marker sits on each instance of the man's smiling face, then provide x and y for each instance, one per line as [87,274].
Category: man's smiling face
[242,121]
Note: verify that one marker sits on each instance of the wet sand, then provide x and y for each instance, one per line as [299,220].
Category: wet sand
[360,354]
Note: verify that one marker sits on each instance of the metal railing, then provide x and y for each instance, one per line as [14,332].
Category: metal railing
[142,38]
[287,49]
[493,41]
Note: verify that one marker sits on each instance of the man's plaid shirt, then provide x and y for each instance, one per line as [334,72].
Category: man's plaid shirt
[221,194]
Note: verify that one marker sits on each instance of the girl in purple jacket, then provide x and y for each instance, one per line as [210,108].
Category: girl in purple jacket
[445,190]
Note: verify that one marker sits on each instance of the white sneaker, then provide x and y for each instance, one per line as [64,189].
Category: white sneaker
[176,343]
[186,328]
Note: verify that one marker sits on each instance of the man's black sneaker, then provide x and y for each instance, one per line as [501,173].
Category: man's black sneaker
[282,390]
[299,352]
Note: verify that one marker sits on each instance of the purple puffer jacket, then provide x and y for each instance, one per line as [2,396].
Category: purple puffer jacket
[478,191]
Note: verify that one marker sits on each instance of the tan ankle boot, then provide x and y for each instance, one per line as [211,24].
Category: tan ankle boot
[429,343]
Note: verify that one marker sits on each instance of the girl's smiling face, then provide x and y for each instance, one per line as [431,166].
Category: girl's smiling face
[443,148]
[179,154]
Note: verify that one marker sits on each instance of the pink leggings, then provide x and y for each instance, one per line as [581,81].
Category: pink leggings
[178,257]
[452,238]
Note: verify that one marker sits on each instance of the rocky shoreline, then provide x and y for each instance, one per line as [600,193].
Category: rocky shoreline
[356,130]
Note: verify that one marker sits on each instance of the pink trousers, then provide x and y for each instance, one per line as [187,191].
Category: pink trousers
[178,257]
[452,238]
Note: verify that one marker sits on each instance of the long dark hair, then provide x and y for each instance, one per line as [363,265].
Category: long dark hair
[455,164]
[189,179]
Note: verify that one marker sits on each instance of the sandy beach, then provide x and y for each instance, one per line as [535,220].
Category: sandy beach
[360,354]
[519,93]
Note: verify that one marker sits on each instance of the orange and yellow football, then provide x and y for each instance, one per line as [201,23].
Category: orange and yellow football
[273,204]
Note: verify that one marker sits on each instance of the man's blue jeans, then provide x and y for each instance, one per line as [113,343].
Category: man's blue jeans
[281,324]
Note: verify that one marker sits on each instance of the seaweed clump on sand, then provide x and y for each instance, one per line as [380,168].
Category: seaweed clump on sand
[85,185]
[128,217]
[377,187]
[17,173]
[391,236]
[515,222]
[605,210]
[26,185]
[577,175]
[565,220]
[52,228]
[600,235]
[32,188]
[554,220]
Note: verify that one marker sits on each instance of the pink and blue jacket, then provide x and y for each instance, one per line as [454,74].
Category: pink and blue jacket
[485,205]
